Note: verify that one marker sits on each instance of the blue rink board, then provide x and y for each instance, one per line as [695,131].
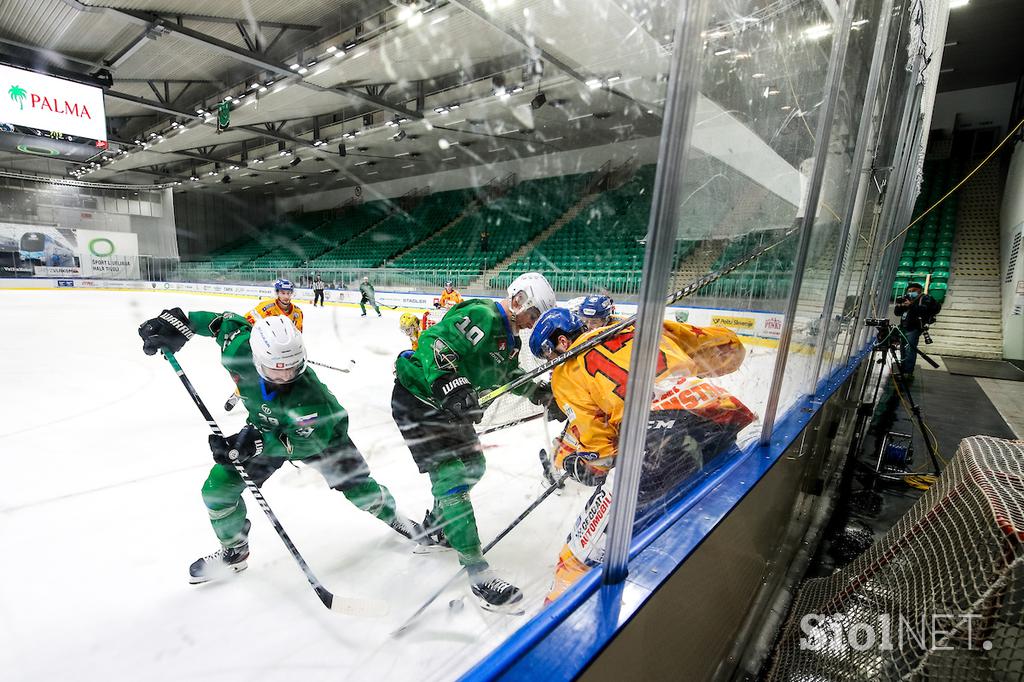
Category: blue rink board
[560,641]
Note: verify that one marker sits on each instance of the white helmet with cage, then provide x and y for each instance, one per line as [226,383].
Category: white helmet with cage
[277,349]
[531,290]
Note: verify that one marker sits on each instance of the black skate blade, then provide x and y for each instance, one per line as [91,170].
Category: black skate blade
[514,609]
[219,574]
[431,549]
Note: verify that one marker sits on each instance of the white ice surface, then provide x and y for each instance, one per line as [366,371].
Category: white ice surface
[103,455]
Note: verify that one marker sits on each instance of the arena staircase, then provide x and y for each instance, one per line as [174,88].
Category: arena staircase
[970,324]
[570,213]
[698,263]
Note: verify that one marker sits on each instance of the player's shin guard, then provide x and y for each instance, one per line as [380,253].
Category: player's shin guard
[458,522]
[584,548]
[222,497]
[372,498]
[567,572]
[451,482]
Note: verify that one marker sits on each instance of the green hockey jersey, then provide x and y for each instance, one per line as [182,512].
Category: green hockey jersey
[304,420]
[474,340]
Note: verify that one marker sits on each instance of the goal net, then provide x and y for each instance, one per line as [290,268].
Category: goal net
[939,597]
[510,409]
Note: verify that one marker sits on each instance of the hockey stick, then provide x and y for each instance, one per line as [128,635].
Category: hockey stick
[508,529]
[546,467]
[348,605]
[545,462]
[690,289]
[326,366]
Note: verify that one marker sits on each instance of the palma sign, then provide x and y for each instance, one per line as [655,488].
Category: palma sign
[48,105]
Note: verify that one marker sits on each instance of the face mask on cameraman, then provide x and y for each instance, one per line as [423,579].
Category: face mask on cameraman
[913,294]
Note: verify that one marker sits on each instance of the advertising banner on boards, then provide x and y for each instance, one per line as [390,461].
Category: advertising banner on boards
[49,251]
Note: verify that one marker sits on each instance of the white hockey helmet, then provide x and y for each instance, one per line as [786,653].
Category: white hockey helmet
[533,291]
[277,349]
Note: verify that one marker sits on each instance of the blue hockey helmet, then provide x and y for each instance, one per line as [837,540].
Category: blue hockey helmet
[596,308]
[283,285]
[552,323]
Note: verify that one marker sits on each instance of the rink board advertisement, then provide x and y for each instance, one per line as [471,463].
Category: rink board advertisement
[751,323]
[50,251]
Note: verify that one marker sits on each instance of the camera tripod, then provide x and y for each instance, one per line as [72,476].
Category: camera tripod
[889,342]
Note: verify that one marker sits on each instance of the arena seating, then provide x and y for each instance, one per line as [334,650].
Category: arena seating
[929,243]
[602,247]
[769,276]
[510,221]
[397,232]
[325,234]
[265,238]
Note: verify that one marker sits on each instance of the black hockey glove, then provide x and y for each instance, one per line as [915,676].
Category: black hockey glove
[456,396]
[541,394]
[168,331]
[237,449]
[576,466]
[555,413]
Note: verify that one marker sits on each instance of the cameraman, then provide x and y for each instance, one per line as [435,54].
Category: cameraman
[917,310]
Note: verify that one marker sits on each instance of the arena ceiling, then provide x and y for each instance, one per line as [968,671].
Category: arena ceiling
[404,95]
[409,87]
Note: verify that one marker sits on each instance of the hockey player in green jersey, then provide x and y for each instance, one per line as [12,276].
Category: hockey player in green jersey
[291,416]
[435,405]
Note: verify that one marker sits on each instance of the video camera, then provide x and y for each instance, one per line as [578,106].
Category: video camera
[885,335]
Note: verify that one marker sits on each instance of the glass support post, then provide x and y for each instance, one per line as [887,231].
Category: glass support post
[858,178]
[835,68]
[681,104]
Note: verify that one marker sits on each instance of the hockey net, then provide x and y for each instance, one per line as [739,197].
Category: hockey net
[509,409]
[939,597]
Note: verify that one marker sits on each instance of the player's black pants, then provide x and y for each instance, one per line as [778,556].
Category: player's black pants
[318,295]
[431,435]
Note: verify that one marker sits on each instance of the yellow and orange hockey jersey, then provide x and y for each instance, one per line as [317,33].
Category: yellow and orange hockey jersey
[450,299]
[591,387]
[270,307]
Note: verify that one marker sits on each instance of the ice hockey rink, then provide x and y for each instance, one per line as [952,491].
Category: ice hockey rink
[104,456]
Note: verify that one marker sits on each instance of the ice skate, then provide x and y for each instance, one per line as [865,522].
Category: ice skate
[437,542]
[495,594]
[410,529]
[222,563]
[231,402]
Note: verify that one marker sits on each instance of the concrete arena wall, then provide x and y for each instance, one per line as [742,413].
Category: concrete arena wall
[756,326]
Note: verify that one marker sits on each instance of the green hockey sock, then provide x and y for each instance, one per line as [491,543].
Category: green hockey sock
[372,498]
